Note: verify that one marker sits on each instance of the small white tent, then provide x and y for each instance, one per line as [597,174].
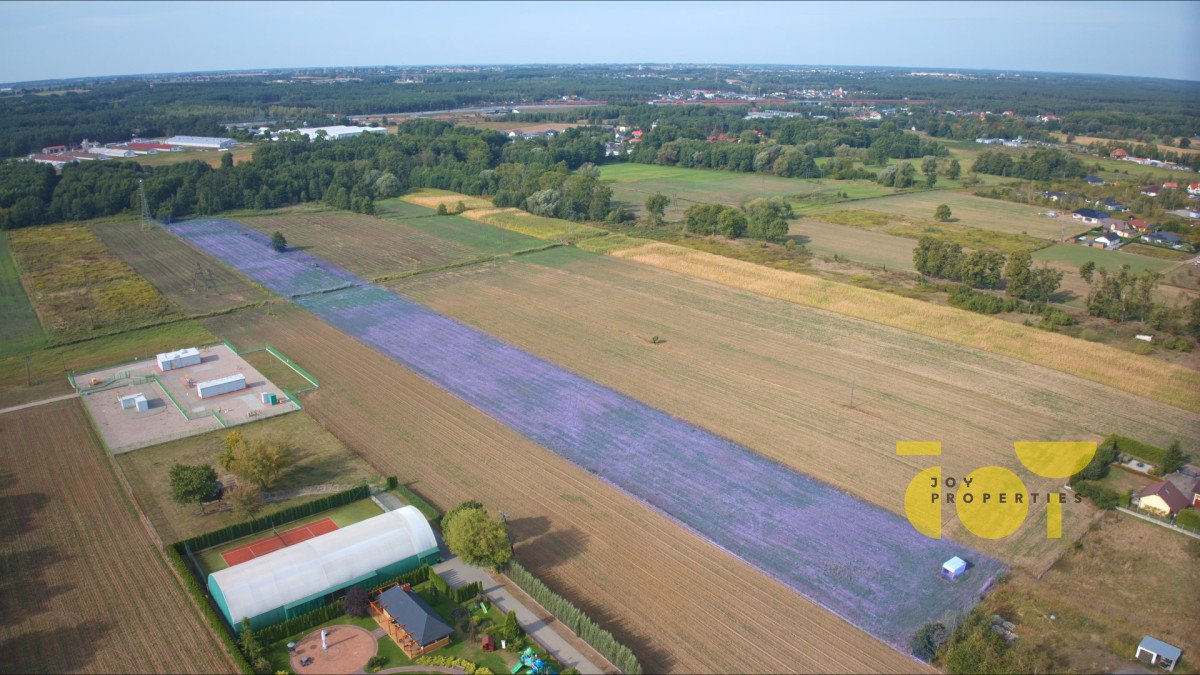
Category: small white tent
[953,567]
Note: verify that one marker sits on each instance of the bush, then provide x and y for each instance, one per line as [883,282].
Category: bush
[1089,334]
[1144,451]
[356,603]
[1143,348]
[1102,497]
[925,642]
[377,662]
[1097,468]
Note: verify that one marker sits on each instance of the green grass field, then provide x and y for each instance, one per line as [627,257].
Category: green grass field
[633,183]
[538,227]
[914,228]
[971,211]
[1112,261]
[19,331]
[210,558]
[470,233]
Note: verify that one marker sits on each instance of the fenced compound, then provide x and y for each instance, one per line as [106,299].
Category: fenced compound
[174,408]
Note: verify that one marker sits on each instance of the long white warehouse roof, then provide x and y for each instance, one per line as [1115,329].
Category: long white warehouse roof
[318,564]
[178,354]
[221,380]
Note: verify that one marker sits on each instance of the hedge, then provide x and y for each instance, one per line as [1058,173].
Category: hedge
[439,584]
[238,530]
[1102,497]
[1130,446]
[588,630]
[428,510]
[215,620]
[276,632]
[413,578]
[468,592]
[464,665]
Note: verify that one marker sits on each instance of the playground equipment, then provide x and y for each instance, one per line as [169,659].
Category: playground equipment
[529,660]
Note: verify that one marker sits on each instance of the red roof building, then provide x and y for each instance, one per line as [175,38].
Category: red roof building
[1118,154]
[1163,497]
[1170,185]
[1139,225]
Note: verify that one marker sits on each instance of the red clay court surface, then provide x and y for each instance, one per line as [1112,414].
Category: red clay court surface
[274,542]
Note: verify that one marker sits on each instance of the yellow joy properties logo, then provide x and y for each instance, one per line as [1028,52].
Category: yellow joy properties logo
[992,502]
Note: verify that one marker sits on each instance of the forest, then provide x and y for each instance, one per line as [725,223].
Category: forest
[348,174]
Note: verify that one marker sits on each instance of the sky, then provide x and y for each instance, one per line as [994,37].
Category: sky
[48,40]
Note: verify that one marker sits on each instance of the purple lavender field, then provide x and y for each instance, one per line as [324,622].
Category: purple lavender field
[861,562]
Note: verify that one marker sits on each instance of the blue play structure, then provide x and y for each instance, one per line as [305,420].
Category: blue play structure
[530,662]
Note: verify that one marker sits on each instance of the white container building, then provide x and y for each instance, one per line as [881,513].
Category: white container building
[178,359]
[135,401]
[204,142]
[220,386]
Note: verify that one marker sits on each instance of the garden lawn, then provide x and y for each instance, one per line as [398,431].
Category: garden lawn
[1075,255]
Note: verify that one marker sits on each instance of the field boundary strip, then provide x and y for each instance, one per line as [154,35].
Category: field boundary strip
[1163,382]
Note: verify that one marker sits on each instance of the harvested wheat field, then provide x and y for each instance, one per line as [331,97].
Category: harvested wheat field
[82,588]
[1125,371]
[191,279]
[775,377]
[679,602]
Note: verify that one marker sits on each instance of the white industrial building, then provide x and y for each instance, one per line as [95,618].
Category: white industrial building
[220,386]
[296,579]
[135,401]
[178,359]
[206,142]
[112,152]
[337,132]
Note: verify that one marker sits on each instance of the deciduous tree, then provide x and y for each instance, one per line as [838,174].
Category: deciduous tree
[477,538]
[192,484]
[656,206]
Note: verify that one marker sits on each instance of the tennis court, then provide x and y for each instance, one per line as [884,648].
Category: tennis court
[277,540]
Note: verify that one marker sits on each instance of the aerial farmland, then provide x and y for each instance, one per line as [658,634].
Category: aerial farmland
[613,368]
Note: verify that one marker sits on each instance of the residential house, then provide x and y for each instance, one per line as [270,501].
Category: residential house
[1055,196]
[412,623]
[1193,189]
[1163,238]
[1121,228]
[1118,154]
[1093,180]
[1161,498]
[1139,225]
[1110,204]
[1188,486]
[1109,240]
[1170,185]
[1088,215]
[1150,191]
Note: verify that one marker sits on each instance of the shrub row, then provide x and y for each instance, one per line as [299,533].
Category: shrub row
[601,640]
[275,633]
[468,592]
[453,662]
[1131,446]
[215,620]
[209,539]
[439,584]
[413,578]
[1102,497]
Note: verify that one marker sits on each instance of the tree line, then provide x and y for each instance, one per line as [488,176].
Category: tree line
[986,268]
[348,174]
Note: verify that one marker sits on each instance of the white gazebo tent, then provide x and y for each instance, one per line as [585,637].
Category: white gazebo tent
[952,568]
